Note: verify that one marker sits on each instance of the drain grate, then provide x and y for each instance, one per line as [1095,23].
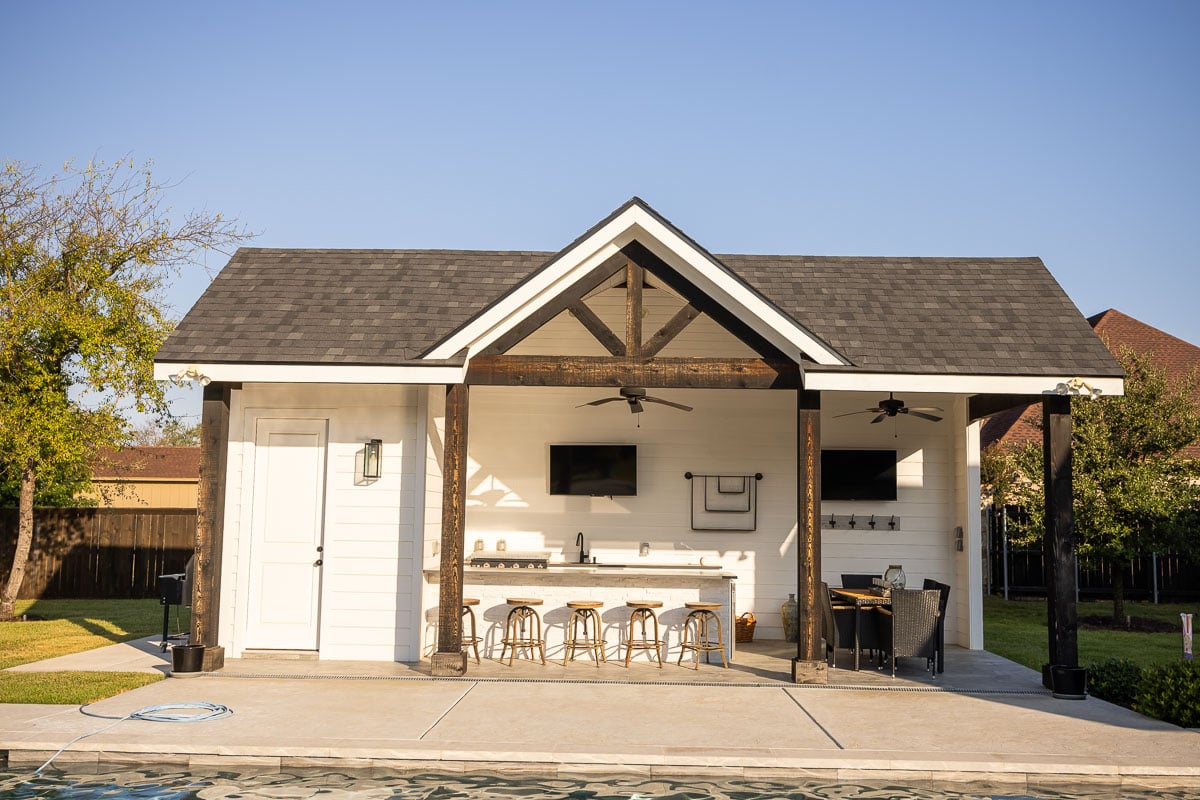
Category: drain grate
[607,682]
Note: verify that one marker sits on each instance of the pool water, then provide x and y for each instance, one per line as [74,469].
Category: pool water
[378,785]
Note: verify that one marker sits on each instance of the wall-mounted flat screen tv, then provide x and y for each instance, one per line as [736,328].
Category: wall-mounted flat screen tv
[593,469]
[858,474]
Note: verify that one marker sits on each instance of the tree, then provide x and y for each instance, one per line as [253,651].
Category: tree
[1135,489]
[84,258]
[172,433]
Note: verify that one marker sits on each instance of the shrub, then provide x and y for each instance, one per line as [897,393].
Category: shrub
[1115,680]
[1171,692]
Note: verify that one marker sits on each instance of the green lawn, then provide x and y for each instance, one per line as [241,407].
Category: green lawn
[60,627]
[1016,629]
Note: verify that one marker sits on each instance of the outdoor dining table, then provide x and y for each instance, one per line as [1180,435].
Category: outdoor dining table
[862,598]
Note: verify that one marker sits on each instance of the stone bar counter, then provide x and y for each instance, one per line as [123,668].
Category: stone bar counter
[611,584]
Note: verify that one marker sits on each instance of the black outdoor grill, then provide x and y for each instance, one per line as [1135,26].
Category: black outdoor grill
[174,589]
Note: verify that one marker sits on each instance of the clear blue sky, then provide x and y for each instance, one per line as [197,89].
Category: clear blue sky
[1066,130]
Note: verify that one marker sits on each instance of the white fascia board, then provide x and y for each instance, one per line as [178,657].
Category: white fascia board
[732,293]
[523,300]
[315,373]
[676,251]
[950,384]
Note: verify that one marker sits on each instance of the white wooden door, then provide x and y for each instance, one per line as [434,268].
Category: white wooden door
[287,533]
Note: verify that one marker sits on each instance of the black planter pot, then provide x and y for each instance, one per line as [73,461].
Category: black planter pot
[187,658]
[1068,683]
[1046,681]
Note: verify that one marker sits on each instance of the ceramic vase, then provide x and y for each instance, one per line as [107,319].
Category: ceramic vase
[790,614]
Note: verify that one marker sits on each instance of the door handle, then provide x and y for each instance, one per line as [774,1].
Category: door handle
[318,562]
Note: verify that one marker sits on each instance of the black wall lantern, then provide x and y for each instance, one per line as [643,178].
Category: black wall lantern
[372,459]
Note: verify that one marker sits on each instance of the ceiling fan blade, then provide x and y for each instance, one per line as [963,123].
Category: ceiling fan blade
[926,408]
[659,400]
[923,415]
[880,418]
[601,401]
[635,407]
[852,413]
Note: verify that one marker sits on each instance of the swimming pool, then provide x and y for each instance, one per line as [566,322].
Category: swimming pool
[219,784]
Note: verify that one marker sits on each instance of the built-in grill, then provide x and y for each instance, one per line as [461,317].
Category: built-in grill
[504,559]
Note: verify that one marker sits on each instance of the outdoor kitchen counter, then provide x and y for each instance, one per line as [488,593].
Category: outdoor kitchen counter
[612,584]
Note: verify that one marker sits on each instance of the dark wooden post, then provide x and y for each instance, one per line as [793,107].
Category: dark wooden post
[1059,542]
[809,665]
[210,524]
[450,659]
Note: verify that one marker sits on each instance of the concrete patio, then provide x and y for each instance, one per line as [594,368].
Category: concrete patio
[985,719]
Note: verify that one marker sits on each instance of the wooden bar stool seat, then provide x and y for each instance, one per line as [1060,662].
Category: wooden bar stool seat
[583,614]
[471,640]
[643,610]
[523,630]
[698,630]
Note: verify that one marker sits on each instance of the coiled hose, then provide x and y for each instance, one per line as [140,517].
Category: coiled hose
[167,712]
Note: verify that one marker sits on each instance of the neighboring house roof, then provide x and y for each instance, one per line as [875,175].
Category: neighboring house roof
[147,464]
[982,316]
[1178,358]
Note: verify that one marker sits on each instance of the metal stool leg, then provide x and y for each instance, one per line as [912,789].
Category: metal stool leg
[473,639]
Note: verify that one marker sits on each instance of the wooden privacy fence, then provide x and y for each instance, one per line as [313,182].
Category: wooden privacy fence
[100,552]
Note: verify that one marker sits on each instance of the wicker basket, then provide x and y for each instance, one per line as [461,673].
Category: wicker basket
[744,628]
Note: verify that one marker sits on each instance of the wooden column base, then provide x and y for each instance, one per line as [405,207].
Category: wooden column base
[809,671]
[214,659]
[448,665]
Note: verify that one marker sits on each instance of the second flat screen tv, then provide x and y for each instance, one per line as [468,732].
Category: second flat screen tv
[597,470]
[858,474]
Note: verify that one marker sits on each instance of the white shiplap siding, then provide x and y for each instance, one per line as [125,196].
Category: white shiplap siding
[730,431]
[369,602]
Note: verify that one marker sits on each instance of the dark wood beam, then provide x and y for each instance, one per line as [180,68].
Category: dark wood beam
[210,523]
[596,327]
[450,659]
[1059,541]
[809,664]
[645,258]
[675,373]
[985,405]
[675,325]
[580,289]
[634,283]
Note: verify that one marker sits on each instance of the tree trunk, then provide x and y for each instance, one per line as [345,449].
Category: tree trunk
[24,542]
[1120,583]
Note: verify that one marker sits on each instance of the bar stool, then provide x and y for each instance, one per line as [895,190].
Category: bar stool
[699,622]
[643,610]
[515,634]
[583,612]
[468,613]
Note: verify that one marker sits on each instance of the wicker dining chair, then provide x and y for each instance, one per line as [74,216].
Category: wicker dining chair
[909,628]
[837,626]
[943,601]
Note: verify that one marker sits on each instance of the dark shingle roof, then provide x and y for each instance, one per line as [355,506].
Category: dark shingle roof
[386,307]
[997,316]
[377,307]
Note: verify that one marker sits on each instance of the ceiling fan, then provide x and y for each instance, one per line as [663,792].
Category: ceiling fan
[635,397]
[891,407]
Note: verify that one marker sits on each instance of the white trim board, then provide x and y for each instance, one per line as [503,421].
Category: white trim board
[950,384]
[315,373]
